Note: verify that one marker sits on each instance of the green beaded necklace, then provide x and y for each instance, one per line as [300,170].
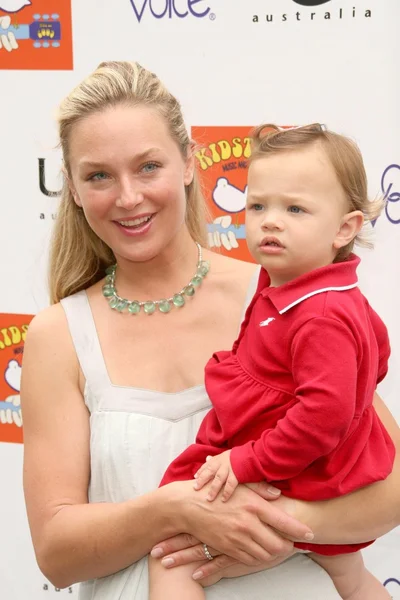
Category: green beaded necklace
[149,306]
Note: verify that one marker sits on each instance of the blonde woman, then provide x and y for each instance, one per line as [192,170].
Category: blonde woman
[112,383]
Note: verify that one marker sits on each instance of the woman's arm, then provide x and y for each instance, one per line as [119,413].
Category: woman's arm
[76,541]
[358,517]
[73,540]
[363,515]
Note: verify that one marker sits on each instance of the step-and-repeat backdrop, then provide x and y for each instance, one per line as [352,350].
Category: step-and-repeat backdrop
[233,64]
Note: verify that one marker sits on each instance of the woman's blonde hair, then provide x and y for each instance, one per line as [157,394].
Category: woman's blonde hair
[345,157]
[78,257]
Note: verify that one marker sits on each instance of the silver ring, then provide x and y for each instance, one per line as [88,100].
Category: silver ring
[207,552]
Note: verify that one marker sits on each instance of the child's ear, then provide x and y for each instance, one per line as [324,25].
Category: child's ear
[351,224]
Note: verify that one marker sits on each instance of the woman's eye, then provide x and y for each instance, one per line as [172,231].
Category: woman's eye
[150,167]
[98,176]
[295,209]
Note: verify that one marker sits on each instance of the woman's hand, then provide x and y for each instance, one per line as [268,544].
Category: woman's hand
[247,529]
[185,549]
[209,573]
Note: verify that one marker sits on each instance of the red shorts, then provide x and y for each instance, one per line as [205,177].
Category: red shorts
[331,549]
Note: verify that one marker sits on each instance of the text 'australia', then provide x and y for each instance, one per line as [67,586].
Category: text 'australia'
[332,15]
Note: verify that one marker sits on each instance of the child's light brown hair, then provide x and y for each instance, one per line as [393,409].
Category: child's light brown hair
[345,157]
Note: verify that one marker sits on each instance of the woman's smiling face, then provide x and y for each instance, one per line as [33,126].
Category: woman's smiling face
[129,177]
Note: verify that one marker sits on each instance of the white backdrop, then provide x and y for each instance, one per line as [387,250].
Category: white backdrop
[241,63]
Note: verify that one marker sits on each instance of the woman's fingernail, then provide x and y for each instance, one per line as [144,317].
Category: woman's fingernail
[196,486]
[198,575]
[157,552]
[274,491]
[167,562]
[309,537]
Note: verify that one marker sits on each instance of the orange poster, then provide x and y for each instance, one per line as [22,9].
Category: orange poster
[36,34]
[221,160]
[13,330]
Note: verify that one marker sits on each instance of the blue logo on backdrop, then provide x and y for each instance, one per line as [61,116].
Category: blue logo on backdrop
[311,2]
[170,9]
[392,585]
[390,185]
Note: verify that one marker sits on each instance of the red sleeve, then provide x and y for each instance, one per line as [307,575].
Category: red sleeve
[382,338]
[324,367]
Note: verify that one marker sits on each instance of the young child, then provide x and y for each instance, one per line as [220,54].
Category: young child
[292,401]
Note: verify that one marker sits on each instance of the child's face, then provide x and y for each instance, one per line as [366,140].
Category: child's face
[294,213]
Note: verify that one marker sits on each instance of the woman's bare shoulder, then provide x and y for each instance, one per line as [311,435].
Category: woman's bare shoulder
[48,320]
[49,331]
[238,272]
[49,342]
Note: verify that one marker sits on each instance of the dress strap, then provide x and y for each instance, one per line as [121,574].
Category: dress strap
[86,341]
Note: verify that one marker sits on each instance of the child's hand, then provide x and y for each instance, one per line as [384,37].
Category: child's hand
[219,469]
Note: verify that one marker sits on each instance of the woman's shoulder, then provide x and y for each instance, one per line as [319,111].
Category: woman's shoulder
[49,341]
[48,325]
[232,266]
[233,273]
[47,317]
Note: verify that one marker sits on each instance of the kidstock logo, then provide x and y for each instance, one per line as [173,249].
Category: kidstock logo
[160,9]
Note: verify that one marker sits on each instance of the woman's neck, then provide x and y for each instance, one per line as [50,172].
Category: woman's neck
[162,276]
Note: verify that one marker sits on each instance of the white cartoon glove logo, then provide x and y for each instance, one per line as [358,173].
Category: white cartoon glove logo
[13,6]
[7,38]
[222,234]
[10,409]
[228,197]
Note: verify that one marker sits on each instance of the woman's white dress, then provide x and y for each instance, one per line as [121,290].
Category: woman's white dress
[135,434]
